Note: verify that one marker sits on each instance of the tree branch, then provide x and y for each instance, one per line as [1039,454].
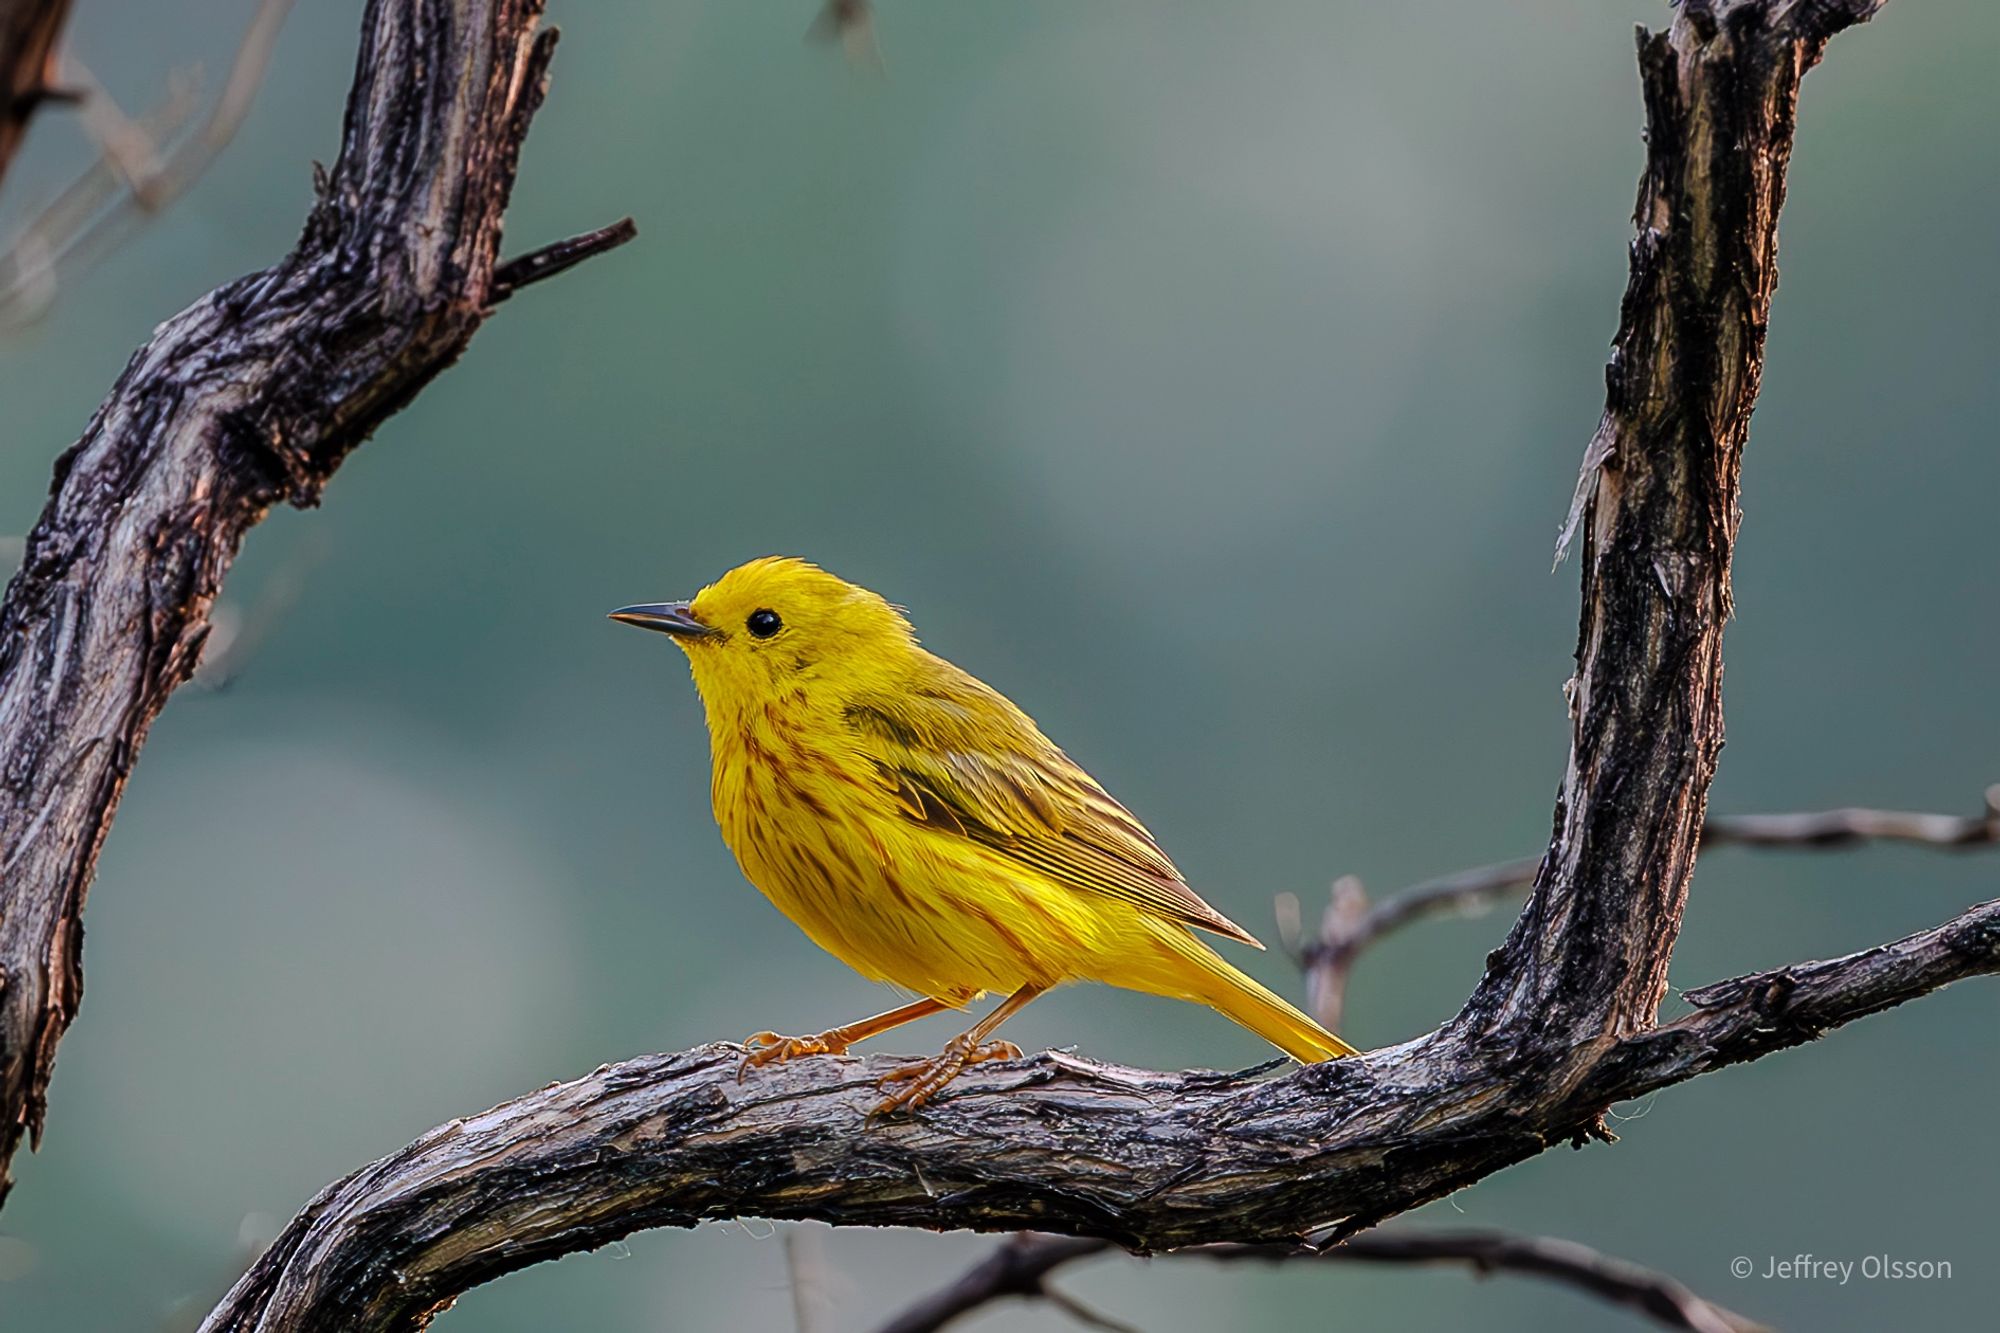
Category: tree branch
[1147,1161]
[545,263]
[256,394]
[28,33]
[1561,1026]
[1020,1267]
[140,171]
[249,397]
[1351,924]
[1656,507]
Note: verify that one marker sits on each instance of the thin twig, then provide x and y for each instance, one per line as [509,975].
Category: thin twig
[237,632]
[29,30]
[1351,923]
[1017,1266]
[806,1272]
[1021,1266]
[1841,828]
[850,24]
[94,215]
[28,266]
[549,260]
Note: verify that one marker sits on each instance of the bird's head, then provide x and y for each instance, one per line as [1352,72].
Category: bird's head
[765,629]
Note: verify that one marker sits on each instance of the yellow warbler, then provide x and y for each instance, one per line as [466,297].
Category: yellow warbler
[920,828]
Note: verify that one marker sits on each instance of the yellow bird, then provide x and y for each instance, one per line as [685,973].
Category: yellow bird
[921,829]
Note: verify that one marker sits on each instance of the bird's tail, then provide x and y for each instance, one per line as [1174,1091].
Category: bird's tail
[1213,982]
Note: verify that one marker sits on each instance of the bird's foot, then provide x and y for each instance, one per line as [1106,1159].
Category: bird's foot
[768,1048]
[923,1079]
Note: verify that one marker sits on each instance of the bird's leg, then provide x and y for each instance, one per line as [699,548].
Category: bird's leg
[922,1080]
[764,1048]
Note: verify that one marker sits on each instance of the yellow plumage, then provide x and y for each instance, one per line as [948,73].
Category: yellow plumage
[919,827]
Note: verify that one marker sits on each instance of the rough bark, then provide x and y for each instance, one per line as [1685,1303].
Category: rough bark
[1561,1025]
[1054,1143]
[250,397]
[1657,511]
[255,394]
[28,33]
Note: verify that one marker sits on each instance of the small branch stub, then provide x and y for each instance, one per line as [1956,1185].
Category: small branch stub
[547,262]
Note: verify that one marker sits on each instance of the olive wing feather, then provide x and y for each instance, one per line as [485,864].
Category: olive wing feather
[959,757]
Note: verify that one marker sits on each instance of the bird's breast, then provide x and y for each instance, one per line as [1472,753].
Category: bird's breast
[799,817]
[822,837]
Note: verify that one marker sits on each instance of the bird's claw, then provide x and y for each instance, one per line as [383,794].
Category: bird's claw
[925,1077]
[769,1048]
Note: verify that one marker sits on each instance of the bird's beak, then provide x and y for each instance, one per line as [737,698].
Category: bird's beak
[667,617]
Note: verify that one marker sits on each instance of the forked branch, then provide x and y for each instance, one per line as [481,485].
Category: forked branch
[255,395]
[1562,1025]
[250,397]
[1022,1266]
[1054,1143]
[1351,922]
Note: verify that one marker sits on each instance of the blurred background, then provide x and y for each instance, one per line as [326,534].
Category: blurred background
[1064,321]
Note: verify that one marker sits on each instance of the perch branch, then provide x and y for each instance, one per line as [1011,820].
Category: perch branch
[255,395]
[1020,1267]
[1561,1026]
[250,397]
[1147,1161]
[1351,923]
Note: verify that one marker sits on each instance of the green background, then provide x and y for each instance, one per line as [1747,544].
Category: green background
[1212,379]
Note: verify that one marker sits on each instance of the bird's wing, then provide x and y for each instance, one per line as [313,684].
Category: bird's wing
[958,757]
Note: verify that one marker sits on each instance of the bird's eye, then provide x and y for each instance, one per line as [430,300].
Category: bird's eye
[763,623]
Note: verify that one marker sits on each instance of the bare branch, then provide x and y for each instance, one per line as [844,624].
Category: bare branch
[1845,828]
[1055,1142]
[84,224]
[256,394]
[806,1268]
[28,33]
[250,397]
[851,24]
[1818,20]
[1020,1268]
[538,265]
[1657,512]
[1351,924]
[1562,1025]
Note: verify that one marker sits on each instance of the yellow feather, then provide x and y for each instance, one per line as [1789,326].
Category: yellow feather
[921,828]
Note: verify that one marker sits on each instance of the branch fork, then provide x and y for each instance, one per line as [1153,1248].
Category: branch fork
[255,395]
[250,397]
